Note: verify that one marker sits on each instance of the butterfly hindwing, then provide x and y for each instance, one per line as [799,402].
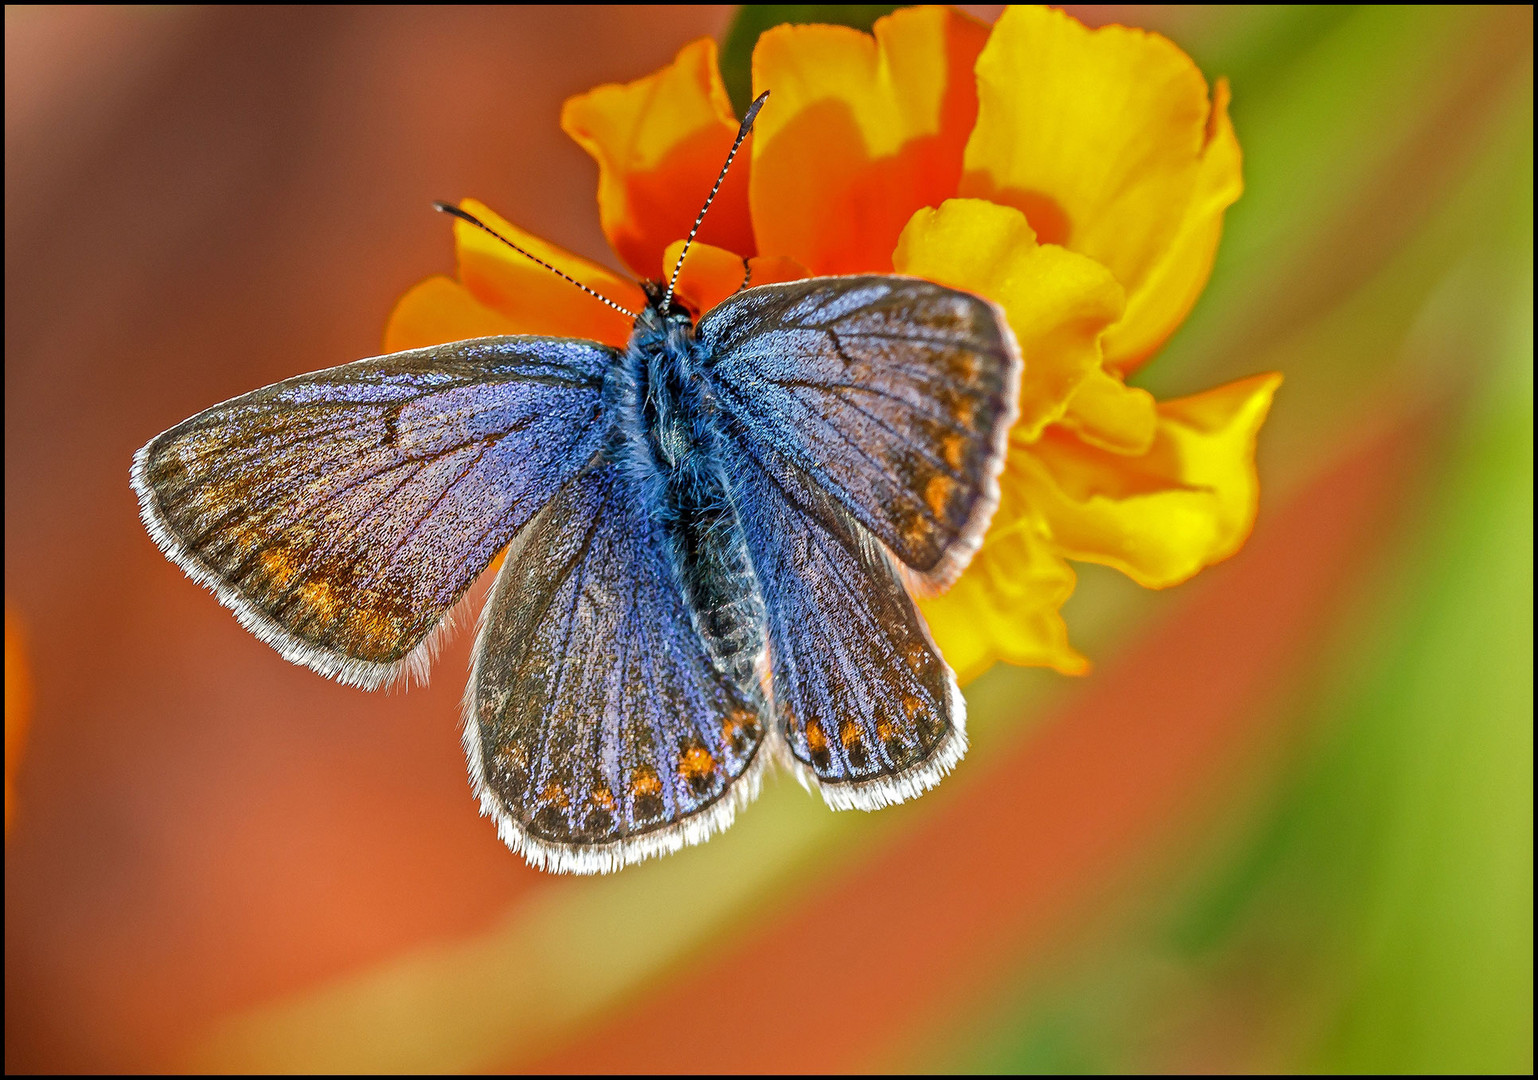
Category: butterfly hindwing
[894,394]
[598,729]
[341,514]
[866,706]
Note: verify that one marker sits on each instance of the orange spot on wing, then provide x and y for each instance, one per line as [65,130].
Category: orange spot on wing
[644,781]
[953,449]
[816,740]
[366,625]
[318,596]
[849,733]
[937,493]
[603,797]
[278,563]
[739,723]
[696,762]
[553,792]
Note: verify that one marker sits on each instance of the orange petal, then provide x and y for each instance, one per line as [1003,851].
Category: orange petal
[768,269]
[1160,517]
[1101,137]
[1005,606]
[660,142]
[534,300]
[858,133]
[440,310]
[711,274]
[1057,302]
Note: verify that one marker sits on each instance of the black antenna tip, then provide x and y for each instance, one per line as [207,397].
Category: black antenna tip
[451,210]
[752,113]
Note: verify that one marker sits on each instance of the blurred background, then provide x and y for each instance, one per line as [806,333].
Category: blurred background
[1285,824]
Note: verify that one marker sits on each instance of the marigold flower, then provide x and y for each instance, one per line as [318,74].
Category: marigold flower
[1076,177]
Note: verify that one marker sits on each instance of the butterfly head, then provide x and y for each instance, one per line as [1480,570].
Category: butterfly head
[655,315]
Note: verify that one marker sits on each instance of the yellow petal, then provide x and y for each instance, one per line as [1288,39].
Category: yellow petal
[1166,296]
[858,133]
[1057,302]
[1102,138]
[660,142]
[1005,606]
[440,310]
[1159,518]
[534,300]
[1107,413]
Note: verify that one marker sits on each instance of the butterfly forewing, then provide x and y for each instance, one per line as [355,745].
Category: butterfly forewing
[341,514]
[893,394]
[598,729]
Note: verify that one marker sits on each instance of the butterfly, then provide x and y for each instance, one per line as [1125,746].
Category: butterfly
[712,539]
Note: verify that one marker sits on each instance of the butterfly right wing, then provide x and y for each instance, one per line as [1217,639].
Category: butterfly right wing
[598,729]
[341,514]
[893,394]
[858,410]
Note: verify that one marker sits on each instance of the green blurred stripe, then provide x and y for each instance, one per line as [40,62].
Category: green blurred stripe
[1379,916]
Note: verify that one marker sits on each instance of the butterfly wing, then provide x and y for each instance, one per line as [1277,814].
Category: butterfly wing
[597,727]
[341,514]
[893,394]
[862,409]
[868,709]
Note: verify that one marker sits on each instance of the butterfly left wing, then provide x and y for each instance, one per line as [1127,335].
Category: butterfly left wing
[895,395]
[341,514]
[599,731]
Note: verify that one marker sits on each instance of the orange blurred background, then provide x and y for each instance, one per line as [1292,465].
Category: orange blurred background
[222,861]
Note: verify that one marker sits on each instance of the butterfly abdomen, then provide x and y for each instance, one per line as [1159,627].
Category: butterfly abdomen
[666,438]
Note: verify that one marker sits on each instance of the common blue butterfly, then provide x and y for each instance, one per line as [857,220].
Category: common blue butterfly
[711,535]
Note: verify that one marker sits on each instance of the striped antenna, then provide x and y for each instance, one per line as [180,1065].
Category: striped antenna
[742,133]
[454,211]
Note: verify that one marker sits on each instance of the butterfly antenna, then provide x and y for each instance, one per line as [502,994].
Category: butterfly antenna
[742,133]
[454,211]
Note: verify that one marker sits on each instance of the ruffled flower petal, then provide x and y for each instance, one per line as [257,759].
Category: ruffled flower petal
[1168,293]
[859,132]
[660,143]
[1005,607]
[1107,141]
[1057,302]
[440,310]
[1159,518]
[534,300]
[1107,413]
